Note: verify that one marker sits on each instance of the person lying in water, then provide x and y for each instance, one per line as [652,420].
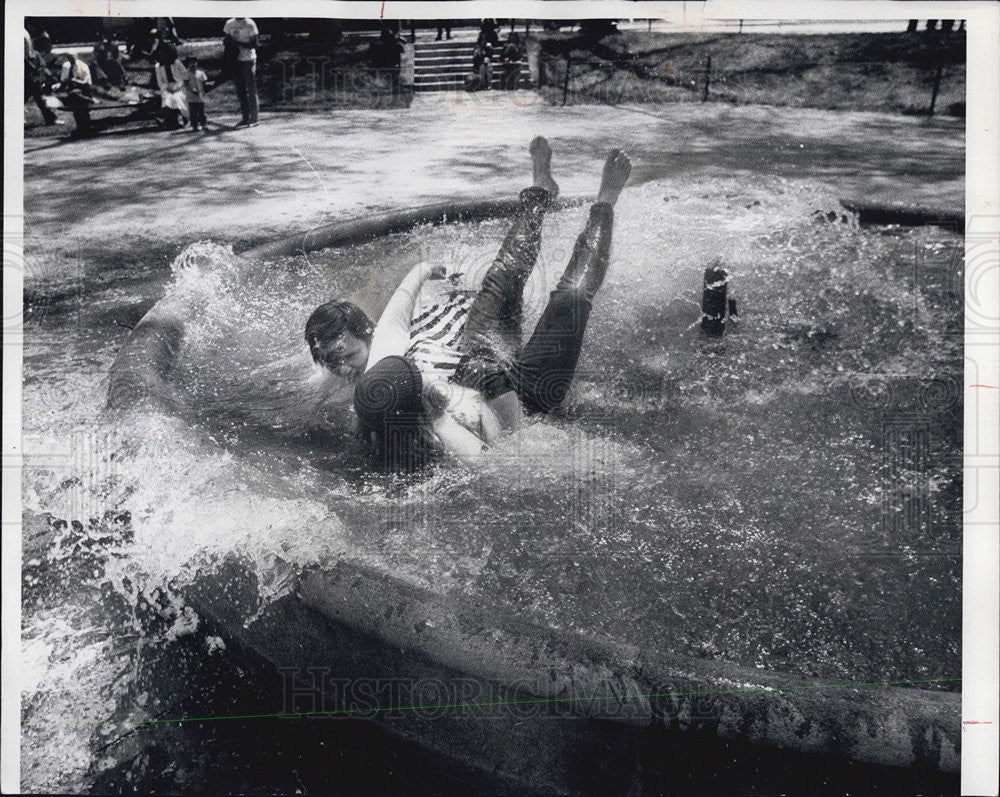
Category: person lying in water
[446,370]
[339,332]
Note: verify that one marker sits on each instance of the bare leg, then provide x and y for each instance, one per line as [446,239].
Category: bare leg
[617,168]
[541,165]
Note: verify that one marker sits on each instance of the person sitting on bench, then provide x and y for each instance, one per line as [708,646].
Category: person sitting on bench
[75,81]
[108,59]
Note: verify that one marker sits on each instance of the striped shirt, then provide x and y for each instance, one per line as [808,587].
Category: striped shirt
[439,315]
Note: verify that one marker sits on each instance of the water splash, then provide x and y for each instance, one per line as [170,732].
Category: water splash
[705,495]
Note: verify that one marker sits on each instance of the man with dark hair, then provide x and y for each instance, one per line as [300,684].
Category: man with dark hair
[338,334]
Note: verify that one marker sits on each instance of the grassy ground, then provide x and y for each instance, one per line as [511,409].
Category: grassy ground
[889,72]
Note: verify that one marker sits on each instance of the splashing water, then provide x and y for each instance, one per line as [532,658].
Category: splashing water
[736,497]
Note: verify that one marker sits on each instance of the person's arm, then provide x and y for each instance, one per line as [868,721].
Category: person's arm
[374,295]
[392,333]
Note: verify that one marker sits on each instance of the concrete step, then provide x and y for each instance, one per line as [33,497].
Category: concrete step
[468,41]
[459,85]
[458,69]
[444,60]
[452,84]
[446,47]
[455,74]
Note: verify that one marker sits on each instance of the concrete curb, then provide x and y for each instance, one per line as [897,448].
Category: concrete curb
[368,228]
[542,709]
[883,725]
[905,214]
[362,229]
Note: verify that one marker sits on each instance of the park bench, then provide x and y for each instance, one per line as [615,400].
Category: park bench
[143,109]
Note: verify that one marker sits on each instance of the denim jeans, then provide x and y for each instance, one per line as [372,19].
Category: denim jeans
[541,371]
[246,89]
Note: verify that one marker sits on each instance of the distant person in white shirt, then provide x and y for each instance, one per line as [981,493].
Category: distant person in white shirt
[241,37]
[75,74]
[75,80]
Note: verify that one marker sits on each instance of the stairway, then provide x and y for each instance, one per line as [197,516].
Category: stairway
[444,65]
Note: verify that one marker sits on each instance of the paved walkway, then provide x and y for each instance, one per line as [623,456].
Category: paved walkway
[295,171]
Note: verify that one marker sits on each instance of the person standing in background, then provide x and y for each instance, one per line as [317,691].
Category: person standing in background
[108,58]
[167,30]
[488,32]
[34,79]
[482,66]
[242,33]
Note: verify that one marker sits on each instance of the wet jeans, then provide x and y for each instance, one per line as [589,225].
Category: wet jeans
[542,370]
[246,89]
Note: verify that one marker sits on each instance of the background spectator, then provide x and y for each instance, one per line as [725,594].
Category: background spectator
[43,46]
[510,59]
[242,33]
[166,31]
[482,65]
[488,33]
[36,78]
[195,88]
[108,59]
[141,39]
[170,76]
[387,56]
[76,82]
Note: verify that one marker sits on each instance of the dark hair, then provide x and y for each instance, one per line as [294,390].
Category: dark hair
[391,416]
[165,54]
[329,321]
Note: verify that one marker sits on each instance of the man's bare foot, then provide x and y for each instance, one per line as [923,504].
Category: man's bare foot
[616,171]
[541,163]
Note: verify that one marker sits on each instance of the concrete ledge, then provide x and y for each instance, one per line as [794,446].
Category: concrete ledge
[905,214]
[544,709]
[368,228]
[877,725]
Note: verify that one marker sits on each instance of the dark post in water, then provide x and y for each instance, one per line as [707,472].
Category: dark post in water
[713,300]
